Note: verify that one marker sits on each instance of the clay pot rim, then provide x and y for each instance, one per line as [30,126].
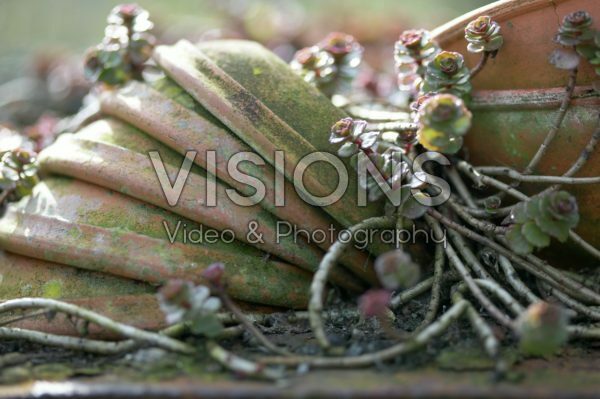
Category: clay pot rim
[500,11]
[549,98]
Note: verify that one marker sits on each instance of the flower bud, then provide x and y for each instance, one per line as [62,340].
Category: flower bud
[214,273]
[374,303]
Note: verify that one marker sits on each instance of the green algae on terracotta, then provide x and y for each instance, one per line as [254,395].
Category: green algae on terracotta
[28,277]
[259,126]
[114,155]
[176,126]
[517,121]
[45,234]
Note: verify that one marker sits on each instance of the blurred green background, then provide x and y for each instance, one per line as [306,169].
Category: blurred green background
[31,28]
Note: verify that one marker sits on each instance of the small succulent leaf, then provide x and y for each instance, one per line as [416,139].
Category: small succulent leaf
[412,209]
[555,228]
[532,208]
[535,235]
[519,213]
[368,140]
[206,324]
[347,150]
[564,59]
[517,241]
[586,50]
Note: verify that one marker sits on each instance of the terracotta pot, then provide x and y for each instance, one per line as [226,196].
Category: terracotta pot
[528,27]
[254,94]
[114,155]
[28,277]
[172,117]
[85,226]
[518,94]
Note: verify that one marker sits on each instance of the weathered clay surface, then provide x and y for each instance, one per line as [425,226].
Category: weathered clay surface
[517,121]
[528,28]
[574,377]
[518,94]
[257,112]
[85,226]
[182,129]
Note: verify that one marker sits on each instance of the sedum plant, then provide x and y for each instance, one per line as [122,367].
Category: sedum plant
[542,329]
[18,173]
[182,301]
[443,121]
[534,222]
[576,29]
[447,73]
[126,47]
[314,65]
[483,35]
[413,51]
[396,269]
[331,65]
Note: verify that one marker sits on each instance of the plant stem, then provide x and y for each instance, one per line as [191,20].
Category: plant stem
[434,301]
[589,248]
[466,277]
[509,301]
[583,157]
[414,343]
[538,267]
[480,65]
[482,225]
[315,305]
[240,365]
[412,293]
[248,325]
[460,187]
[71,343]
[105,322]
[513,174]
[484,180]
[483,330]
[468,255]
[584,332]
[515,282]
[4,194]
[564,106]
[464,166]
[396,126]
[575,305]
[483,213]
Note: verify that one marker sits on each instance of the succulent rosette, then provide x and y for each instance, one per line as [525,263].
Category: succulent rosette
[130,15]
[595,54]
[345,50]
[182,301]
[396,269]
[412,52]
[483,34]
[354,136]
[314,65]
[576,29]
[447,73]
[542,329]
[443,121]
[18,172]
[126,46]
[535,221]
